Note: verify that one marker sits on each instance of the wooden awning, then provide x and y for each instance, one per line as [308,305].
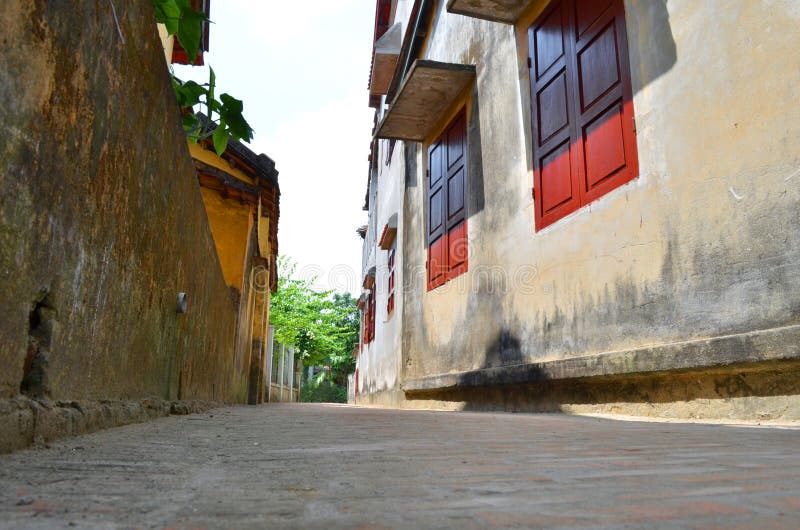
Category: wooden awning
[507,11]
[369,278]
[429,89]
[386,242]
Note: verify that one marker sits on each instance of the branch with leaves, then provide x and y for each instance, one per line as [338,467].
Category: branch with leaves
[323,326]
[224,119]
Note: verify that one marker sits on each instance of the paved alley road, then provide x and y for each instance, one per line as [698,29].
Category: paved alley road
[313,466]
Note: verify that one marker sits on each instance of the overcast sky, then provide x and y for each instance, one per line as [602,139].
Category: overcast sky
[302,69]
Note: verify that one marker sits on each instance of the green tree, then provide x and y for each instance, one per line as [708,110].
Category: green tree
[322,325]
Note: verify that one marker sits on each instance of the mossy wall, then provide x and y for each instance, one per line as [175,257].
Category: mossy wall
[101,219]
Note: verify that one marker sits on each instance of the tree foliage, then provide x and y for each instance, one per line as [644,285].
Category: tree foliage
[224,116]
[322,325]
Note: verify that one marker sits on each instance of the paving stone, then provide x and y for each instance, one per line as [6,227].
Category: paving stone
[328,466]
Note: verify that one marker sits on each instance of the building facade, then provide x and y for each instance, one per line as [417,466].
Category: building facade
[241,196]
[587,206]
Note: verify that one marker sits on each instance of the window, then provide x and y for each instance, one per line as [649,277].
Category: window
[390,297]
[368,320]
[447,219]
[584,142]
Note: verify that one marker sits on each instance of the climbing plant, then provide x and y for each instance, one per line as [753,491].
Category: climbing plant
[224,117]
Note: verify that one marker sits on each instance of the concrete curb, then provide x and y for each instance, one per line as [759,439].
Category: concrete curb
[27,422]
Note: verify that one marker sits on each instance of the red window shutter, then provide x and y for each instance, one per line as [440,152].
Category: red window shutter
[437,240]
[390,298]
[372,317]
[581,105]
[456,197]
[437,262]
[457,250]
[447,212]
[364,329]
[604,107]
[455,170]
[436,190]
[555,172]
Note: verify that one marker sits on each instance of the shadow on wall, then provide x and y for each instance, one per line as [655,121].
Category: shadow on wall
[654,50]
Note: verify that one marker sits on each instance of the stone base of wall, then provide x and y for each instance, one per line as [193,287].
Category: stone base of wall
[393,399]
[759,393]
[26,422]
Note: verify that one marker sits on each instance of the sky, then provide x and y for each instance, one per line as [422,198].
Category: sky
[302,70]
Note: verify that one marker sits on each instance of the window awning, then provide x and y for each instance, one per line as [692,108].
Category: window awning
[369,278]
[507,11]
[426,93]
[389,233]
[384,62]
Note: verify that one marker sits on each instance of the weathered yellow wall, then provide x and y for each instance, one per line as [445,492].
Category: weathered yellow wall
[231,223]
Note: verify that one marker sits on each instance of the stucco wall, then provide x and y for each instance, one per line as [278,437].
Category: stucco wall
[379,362]
[704,243]
[101,217]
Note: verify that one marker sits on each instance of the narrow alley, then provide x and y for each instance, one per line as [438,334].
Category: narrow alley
[332,466]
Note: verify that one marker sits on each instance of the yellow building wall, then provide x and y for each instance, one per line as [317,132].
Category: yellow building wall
[230,223]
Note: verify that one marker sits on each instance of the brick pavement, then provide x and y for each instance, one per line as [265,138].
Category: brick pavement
[315,466]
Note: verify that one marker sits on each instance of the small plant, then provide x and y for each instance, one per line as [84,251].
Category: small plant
[224,117]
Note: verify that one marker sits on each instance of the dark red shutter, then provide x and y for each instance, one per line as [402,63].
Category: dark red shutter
[581,105]
[604,108]
[456,197]
[447,203]
[390,298]
[372,317]
[555,172]
[437,241]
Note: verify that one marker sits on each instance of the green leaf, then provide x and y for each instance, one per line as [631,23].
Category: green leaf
[231,112]
[192,127]
[221,138]
[189,93]
[190,29]
[167,13]
[210,101]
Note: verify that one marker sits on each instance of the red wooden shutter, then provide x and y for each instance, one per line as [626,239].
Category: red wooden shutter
[447,210]
[456,197]
[390,300]
[371,316]
[551,71]
[605,104]
[437,240]
[581,105]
